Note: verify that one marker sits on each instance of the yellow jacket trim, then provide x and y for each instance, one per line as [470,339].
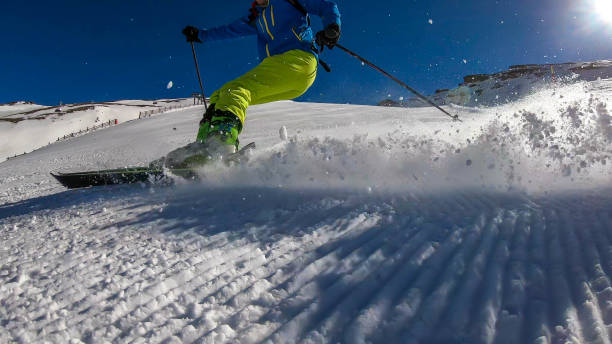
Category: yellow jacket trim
[266,22]
[272,14]
[296,35]
[267,50]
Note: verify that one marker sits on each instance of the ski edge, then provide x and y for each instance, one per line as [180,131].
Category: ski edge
[131,175]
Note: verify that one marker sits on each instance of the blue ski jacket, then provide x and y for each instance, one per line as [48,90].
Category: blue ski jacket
[279,26]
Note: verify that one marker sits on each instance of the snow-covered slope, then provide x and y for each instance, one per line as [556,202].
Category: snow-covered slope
[368,225]
[25,127]
[6,110]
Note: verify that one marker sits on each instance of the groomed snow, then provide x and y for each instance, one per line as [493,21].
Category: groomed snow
[361,225]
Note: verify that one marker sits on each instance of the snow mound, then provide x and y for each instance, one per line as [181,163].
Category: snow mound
[531,145]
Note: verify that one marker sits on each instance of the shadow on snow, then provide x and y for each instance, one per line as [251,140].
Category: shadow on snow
[461,267]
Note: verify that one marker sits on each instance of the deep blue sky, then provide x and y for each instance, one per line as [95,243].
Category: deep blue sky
[74,51]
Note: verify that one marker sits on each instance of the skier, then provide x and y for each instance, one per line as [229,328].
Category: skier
[289,53]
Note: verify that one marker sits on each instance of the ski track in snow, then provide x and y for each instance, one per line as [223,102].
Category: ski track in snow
[123,264]
[386,238]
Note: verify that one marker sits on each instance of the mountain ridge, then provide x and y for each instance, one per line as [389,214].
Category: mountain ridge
[512,84]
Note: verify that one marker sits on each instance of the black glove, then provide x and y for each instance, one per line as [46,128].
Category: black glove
[329,36]
[192,33]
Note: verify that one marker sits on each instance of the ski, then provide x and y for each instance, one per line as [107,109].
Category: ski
[131,175]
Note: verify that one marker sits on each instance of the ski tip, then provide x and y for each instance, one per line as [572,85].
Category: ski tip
[250,146]
[58,178]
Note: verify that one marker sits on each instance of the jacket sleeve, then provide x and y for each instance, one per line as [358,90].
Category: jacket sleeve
[238,28]
[327,10]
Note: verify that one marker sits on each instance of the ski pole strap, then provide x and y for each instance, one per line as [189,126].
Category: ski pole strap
[321,62]
[324,65]
[403,84]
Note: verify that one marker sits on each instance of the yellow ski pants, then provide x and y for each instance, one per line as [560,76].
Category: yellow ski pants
[278,77]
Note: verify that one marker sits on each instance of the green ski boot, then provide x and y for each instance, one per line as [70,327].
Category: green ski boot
[221,131]
[217,138]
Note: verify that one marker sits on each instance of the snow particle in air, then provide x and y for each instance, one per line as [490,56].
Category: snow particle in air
[170,84]
[430,21]
[283,133]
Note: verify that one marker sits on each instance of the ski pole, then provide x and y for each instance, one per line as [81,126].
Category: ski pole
[403,84]
[195,59]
